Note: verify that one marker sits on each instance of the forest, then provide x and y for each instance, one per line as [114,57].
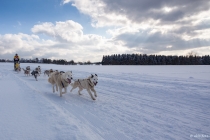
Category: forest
[144,59]
[130,59]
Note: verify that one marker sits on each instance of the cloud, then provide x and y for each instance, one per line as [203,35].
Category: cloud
[135,26]
[66,1]
[123,12]
[68,31]
[97,11]
[66,40]
[144,14]
[11,42]
[163,10]
[29,45]
[151,26]
[154,41]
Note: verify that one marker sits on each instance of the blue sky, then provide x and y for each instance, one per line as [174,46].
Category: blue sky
[21,15]
[83,30]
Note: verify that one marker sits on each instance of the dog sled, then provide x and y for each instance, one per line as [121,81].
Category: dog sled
[17,66]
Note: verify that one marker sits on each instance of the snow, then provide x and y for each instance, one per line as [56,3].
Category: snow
[134,102]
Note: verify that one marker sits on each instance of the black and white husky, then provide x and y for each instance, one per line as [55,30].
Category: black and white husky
[35,73]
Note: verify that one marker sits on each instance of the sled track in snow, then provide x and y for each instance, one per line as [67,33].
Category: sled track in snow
[128,106]
[73,108]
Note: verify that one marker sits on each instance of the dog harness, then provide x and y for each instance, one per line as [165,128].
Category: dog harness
[63,84]
[90,83]
[80,83]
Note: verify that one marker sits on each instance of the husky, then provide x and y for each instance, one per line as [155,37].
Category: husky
[26,72]
[39,70]
[60,80]
[35,73]
[48,72]
[87,84]
[28,68]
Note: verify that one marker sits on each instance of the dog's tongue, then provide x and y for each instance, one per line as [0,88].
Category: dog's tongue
[69,81]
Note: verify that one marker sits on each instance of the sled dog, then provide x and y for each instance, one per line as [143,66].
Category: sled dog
[35,73]
[87,84]
[60,80]
[38,69]
[47,72]
[26,72]
[28,68]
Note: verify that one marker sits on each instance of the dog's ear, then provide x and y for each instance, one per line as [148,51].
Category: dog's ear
[96,75]
[91,76]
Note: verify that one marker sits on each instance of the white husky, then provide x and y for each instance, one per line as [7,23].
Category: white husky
[87,84]
[61,80]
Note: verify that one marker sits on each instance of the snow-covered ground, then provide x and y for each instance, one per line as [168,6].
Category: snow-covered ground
[134,102]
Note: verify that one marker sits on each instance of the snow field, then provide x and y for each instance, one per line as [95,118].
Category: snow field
[134,102]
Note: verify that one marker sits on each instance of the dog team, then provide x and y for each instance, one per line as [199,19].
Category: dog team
[36,72]
[61,80]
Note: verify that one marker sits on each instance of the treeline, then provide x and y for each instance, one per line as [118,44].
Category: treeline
[50,61]
[144,59]
[3,60]
[64,62]
[59,62]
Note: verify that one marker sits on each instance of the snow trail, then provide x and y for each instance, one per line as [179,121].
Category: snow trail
[130,104]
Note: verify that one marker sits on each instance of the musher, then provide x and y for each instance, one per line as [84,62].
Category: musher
[16,60]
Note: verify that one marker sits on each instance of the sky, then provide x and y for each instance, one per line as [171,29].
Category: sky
[85,30]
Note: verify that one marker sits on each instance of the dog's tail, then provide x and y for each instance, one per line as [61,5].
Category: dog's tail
[75,80]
